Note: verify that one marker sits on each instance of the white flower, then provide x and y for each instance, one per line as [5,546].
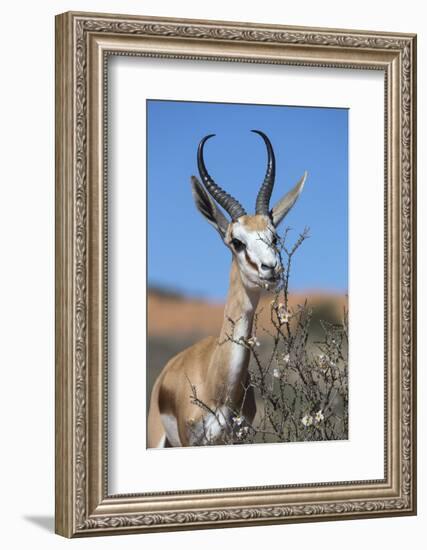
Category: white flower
[307,420]
[318,417]
[286,358]
[238,420]
[252,341]
[277,373]
[242,432]
[282,313]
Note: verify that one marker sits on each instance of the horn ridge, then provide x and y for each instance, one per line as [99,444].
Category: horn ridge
[224,199]
[262,205]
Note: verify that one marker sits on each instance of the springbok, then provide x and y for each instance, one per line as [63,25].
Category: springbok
[216,368]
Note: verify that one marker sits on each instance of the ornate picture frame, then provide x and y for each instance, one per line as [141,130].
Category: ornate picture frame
[84,43]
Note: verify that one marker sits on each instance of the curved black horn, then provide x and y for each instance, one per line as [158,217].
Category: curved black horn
[229,203]
[264,194]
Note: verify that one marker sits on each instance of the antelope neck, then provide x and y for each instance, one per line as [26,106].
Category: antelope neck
[239,308]
[232,359]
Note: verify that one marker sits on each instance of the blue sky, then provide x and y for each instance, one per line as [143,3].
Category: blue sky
[184,252]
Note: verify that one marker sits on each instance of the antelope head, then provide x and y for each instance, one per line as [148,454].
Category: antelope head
[252,239]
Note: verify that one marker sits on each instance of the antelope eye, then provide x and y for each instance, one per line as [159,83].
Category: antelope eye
[238,245]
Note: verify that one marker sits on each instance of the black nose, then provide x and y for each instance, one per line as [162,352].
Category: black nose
[268,267]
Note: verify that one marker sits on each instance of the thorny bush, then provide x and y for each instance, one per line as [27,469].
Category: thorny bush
[301,384]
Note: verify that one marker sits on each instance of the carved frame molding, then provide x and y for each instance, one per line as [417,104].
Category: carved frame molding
[83,42]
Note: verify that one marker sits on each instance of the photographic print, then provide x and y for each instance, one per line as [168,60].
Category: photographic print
[235,272]
[247,274]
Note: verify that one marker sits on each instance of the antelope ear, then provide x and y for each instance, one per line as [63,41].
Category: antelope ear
[206,206]
[282,207]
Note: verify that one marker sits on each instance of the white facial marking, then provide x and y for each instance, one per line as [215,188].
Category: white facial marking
[258,260]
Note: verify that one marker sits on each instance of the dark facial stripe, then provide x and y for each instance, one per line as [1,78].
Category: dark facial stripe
[250,262]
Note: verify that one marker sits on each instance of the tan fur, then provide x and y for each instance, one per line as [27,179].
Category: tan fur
[217,368]
[254,223]
[205,365]
[155,428]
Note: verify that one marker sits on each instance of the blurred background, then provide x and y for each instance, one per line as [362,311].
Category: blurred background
[188,265]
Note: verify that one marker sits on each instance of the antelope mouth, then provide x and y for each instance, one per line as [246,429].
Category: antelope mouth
[274,278]
[270,283]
